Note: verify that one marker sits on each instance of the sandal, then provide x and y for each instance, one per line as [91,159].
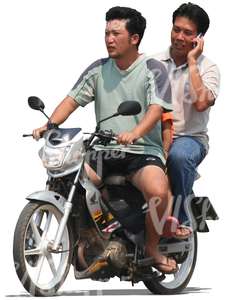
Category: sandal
[172,229]
[183,228]
[165,268]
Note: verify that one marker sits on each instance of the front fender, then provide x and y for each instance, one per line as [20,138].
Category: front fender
[48,197]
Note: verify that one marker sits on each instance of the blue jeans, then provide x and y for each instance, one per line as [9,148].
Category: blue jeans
[185,154]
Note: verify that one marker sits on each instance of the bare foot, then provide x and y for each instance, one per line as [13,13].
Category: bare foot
[162,263]
[172,228]
[183,232]
[165,265]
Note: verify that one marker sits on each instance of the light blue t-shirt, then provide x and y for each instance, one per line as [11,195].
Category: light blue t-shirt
[145,81]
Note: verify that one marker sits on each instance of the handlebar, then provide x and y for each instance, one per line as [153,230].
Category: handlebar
[27,135]
[105,137]
[108,135]
[50,126]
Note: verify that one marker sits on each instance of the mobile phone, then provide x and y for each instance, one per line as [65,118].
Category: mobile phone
[198,36]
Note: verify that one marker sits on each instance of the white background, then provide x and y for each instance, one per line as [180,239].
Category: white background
[45,45]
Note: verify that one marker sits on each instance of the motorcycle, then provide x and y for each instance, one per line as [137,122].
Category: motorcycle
[70,224]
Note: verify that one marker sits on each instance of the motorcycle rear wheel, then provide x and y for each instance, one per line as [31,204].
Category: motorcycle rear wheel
[41,271]
[176,283]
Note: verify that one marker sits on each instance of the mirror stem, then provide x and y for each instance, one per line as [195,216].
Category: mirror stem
[45,114]
[98,124]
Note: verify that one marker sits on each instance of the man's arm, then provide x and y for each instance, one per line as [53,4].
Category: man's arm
[204,97]
[63,110]
[166,137]
[167,131]
[60,114]
[152,116]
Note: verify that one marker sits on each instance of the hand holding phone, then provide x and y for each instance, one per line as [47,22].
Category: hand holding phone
[198,36]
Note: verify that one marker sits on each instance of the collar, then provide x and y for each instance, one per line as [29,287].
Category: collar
[132,66]
[166,56]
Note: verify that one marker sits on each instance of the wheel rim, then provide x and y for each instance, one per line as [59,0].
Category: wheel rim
[45,269]
[173,281]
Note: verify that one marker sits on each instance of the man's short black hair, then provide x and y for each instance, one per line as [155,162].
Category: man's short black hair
[194,13]
[136,23]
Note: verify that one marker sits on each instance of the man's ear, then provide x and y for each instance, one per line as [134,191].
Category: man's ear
[135,39]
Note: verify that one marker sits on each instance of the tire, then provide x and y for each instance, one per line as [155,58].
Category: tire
[174,284]
[40,271]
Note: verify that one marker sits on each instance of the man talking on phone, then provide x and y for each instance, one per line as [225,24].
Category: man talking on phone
[195,85]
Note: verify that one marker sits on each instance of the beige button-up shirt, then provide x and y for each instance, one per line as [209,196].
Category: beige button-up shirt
[187,120]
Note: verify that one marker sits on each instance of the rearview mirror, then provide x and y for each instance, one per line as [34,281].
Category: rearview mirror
[129,108]
[126,108]
[36,103]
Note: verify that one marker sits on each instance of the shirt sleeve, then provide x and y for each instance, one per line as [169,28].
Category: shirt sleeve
[83,92]
[158,88]
[211,79]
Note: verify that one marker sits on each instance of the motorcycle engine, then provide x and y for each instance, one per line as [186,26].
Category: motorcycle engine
[117,253]
[91,247]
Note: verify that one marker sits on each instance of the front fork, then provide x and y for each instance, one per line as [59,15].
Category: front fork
[67,210]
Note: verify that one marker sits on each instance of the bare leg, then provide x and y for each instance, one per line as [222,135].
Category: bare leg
[170,197]
[96,180]
[152,182]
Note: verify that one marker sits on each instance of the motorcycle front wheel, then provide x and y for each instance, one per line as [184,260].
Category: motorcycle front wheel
[41,271]
[176,283]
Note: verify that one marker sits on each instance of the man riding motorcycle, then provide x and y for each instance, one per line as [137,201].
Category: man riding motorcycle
[124,75]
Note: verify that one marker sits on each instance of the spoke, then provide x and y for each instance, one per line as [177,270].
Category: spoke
[34,251]
[35,231]
[39,267]
[47,225]
[51,263]
[39,216]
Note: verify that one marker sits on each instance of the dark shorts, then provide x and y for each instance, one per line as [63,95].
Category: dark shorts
[109,162]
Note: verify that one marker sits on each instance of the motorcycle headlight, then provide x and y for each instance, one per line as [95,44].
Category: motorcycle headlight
[53,158]
[61,158]
[63,151]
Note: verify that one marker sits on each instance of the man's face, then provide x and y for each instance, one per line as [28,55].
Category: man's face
[182,35]
[118,40]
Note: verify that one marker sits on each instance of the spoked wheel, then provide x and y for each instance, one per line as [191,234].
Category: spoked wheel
[175,283]
[41,271]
